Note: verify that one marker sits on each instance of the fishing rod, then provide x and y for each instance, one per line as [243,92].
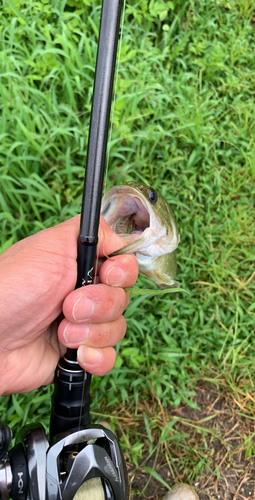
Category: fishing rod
[80,460]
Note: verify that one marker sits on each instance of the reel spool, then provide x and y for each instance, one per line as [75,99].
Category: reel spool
[91,490]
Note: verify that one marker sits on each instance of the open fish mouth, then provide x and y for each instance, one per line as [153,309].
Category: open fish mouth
[127,215]
[146,225]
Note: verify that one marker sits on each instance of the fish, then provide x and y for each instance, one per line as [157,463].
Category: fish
[143,219]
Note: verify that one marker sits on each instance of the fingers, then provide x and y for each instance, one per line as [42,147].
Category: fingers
[94,323]
[94,342]
[109,241]
[121,271]
[96,361]
[95,303]
[93,335]
[93,314]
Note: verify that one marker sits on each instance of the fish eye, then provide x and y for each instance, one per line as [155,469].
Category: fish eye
[152,196]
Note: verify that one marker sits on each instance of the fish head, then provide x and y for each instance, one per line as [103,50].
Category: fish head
[143,219]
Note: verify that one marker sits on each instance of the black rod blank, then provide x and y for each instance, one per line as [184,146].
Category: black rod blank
[97,143]
[99,123]
[71,400]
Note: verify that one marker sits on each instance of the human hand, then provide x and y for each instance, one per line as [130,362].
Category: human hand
[38,276]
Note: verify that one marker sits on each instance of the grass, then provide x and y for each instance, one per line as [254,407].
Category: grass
[184,123]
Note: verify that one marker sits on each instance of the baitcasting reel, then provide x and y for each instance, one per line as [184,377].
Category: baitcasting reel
[84,465]
[81,461]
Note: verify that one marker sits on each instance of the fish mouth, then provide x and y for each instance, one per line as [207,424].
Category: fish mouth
[129,216]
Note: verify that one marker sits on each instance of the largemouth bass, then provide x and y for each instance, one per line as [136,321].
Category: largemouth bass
[147,226]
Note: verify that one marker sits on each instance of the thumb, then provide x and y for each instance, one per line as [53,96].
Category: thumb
[109,241]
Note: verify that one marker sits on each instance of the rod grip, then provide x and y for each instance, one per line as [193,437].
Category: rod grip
[70,398]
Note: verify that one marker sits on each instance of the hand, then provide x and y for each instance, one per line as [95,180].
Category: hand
[38,276]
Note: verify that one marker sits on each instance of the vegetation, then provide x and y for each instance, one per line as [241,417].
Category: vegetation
[184,123]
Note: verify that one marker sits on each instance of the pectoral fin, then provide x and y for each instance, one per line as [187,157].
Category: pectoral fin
[130,248]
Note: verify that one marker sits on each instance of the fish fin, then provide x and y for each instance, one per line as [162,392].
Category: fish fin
[130,248]
[175,284]
[162,280]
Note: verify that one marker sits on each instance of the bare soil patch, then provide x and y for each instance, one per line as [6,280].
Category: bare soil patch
[211,448]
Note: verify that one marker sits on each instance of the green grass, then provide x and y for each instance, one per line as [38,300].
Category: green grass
[184,123]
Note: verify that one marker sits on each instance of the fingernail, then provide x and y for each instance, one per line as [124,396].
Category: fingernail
[89,355]
[83,309]
[71,335]
[115,276]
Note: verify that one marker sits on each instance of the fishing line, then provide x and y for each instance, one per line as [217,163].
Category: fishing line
[114,97]
[111,122]
[47,474]
[95,278]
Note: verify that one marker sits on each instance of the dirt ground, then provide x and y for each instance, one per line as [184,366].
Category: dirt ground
[218,453]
